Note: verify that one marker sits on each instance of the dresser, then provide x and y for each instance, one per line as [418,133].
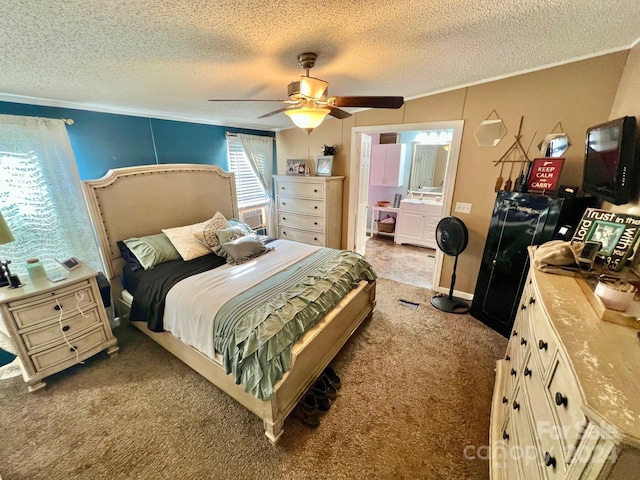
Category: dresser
[417,222]
[56,325]
[309,209]
[566,401]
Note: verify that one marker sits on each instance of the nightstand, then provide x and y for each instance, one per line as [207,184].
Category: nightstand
[56,325]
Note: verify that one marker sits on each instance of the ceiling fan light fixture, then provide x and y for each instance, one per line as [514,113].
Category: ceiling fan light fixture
[307,118]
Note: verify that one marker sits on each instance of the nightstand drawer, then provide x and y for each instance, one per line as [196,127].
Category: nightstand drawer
[52,334]
[305,190]
[45,307]
[64,352]
[301,221]
[297,205]
[299,236]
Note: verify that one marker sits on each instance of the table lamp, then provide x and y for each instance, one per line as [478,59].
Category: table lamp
[6,277]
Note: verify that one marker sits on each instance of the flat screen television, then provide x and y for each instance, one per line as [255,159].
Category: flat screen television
[611,170]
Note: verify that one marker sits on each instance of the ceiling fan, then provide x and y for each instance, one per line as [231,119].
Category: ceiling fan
[309,101]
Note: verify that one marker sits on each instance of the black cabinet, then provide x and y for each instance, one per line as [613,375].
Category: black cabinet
[518,221]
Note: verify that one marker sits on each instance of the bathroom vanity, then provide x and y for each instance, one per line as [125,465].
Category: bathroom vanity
[417,221]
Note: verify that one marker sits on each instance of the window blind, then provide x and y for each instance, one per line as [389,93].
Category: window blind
[248,187]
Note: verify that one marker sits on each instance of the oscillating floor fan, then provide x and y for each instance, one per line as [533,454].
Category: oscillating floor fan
[452,238]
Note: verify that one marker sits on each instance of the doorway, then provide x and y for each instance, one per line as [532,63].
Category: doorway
[360,188]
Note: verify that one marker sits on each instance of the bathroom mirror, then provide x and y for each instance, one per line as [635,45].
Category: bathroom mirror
[490,132]
[428,166]
[554,145]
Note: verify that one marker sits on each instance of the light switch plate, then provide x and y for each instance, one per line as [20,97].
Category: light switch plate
[463,207]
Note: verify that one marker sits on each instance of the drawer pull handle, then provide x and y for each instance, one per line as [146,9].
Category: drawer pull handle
[542,345]
[561,400]
[315,190]
[284,203]
[57,307]
[505,435]
[549,461]
[284,219]
[316,207]
[315,223]
[527,372]
[516,405]
[507,358]
[505,400]
[66,328]
[513,372]
[284,233]
[523,307]
[523,341]
[515,333]
[315,239]
[532,300]
[73,349]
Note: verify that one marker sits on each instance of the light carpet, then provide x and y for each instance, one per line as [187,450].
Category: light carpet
[415,403]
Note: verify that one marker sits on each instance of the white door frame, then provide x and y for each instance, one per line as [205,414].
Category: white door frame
[449,177]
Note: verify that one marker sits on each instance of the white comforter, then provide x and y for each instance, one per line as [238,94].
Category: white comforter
[192,304]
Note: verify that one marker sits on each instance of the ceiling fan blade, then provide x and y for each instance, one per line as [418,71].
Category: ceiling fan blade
[275,112]
[337,113]
[242,100]
[368,102]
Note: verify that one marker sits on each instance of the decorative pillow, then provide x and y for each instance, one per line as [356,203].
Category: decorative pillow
[185,242]
[243,249]
[237,223]
[208,234]
[151,250]
[230,233]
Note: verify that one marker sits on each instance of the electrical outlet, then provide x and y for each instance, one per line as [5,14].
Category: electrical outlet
[463,207]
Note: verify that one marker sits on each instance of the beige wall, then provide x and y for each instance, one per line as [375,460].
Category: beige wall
[578,95]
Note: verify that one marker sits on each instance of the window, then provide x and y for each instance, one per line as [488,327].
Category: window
[248,187]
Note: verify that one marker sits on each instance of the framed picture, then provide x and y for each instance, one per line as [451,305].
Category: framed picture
[617,232]
[544,174]
[296,167]
[324,166]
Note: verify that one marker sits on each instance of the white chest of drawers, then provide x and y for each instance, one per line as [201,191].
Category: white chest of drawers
[309,209]
[566,402]
[56,325]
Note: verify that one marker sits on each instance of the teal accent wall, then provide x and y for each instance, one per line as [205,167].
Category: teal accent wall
[102,141]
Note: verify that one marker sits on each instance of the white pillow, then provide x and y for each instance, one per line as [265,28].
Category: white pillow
[207,235]
[185,242]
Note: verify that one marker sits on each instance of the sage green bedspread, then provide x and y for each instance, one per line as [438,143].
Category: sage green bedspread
[255,331]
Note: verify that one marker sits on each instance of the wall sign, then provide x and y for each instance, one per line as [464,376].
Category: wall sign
[544,174]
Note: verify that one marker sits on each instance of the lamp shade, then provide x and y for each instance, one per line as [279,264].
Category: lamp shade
[5,234]
[307,118]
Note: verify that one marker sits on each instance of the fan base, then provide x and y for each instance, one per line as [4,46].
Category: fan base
[449,304]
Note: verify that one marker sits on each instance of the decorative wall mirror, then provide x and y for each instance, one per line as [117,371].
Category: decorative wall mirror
[428,166]
[490,131]
[555,144]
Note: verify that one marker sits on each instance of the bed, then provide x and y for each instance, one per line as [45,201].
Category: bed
[137,201]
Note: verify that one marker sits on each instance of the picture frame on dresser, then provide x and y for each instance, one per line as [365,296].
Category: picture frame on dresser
[324,165]
[296,166]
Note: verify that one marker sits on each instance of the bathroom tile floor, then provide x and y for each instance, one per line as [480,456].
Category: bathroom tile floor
[402,263]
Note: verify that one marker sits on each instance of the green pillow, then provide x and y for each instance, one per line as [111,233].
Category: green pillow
[152,250]
[230,233]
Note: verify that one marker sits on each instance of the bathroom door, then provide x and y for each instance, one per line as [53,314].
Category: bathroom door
[363,193]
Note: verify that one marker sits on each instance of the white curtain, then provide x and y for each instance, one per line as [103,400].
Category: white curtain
[259,152]
[41,196]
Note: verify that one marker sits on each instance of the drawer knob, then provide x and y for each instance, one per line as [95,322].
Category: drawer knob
[505,435]
[505,400]
[316,207]
[542,345]
[513,372]
[315,239]
[66,328]
[523,341]
[284,219]
[516,405]
[549,461]
[315,223]
[507,358]
[523,307]
[532,300]
[57,307]
[527,372]
[284,233]
[561,400]
[515,333]
[315,190]
[495,262]
[73,349]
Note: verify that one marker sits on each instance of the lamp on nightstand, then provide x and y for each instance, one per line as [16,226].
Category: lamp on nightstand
[6,277]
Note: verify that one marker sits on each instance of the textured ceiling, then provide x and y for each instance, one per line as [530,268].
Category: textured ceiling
[165,58]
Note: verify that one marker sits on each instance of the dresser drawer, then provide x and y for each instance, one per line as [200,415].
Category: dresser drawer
[543,339]
[62,353]
[301,221]
[299,236]
[306,190]
[564,396]
[52,334]
[297,205]
[45,307]
[529,461]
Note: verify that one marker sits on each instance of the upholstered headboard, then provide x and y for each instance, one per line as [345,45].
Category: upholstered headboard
[136,201]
